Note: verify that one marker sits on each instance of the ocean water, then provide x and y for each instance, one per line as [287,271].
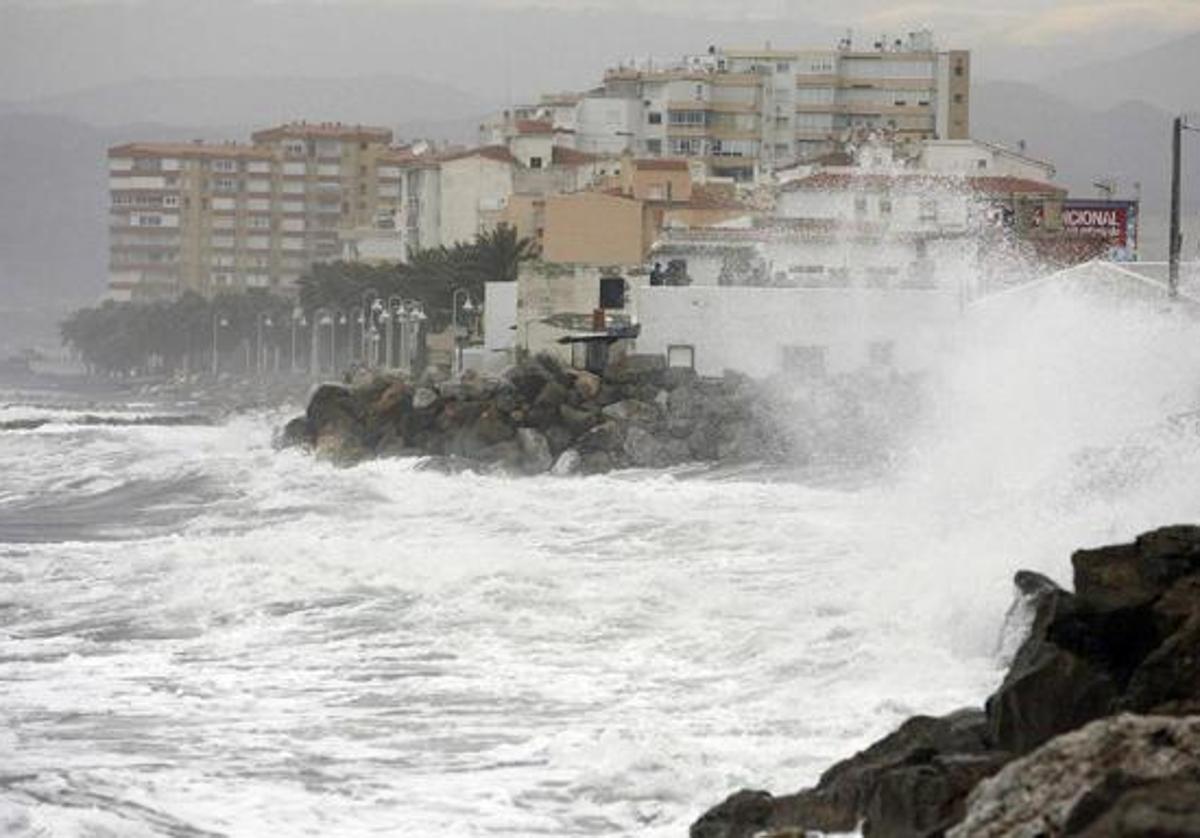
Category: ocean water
[200,635]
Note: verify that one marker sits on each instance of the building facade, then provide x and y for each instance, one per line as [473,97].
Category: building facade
[206,217]
[740,110]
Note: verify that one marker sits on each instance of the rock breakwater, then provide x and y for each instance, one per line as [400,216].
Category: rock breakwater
[543,417]
[1095,729]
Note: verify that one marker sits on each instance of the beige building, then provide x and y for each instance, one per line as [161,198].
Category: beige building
[740,110]
[202,217]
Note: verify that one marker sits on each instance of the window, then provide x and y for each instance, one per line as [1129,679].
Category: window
[860,204]
[980,164]
[928,209]
[688,118]
[699,91]
[782,67]
[224,184]
[958,98]
[612,292]
[885,206]
[535,162]
[681,355]
[654,146]
[958,69]
[224,166]
[170,200]
[654,117]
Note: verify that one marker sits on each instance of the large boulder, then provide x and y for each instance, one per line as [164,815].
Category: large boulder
[633,411]
[1131,575]
[741,815]
[1064,782]
[1127,807]
[928,795]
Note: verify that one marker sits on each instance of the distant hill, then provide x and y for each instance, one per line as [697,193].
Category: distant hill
[245,103]
[1129,142]
[1164,76]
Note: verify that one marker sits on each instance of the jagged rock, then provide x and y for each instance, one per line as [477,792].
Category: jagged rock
[1130,575]
[633,411]
[506,455]
[606,437]
[1170,675]
[843,794]
[568,462]
[596,462]
[535,451]
[392,402]
[491,427]
[927,796]
[643,449]
[1041,792]
[1124,807]
[586,384]
[424,398]
[295,433]
[576,420]
[741,815]
[560,439]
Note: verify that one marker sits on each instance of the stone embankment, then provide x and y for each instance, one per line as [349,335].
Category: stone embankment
[1094,731]
[542,417]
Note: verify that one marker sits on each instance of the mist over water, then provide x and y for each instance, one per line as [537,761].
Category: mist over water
[202,636]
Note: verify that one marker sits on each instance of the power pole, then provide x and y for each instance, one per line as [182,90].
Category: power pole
[1176,242]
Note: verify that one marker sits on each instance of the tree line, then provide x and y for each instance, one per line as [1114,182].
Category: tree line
[146,337]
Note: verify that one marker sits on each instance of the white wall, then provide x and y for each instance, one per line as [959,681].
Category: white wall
[608,125]
[747,329]
[965,156]
[470,187]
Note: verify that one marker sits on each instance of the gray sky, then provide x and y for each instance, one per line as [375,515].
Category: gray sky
[498,49]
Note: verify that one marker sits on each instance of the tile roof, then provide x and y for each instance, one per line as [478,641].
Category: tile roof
[499,153]
[324,130]
[193,150]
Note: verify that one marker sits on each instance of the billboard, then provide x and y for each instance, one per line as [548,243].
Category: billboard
[1115,221]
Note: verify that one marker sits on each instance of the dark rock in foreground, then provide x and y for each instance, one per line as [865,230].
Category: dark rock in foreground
[1128,639]
[542,417]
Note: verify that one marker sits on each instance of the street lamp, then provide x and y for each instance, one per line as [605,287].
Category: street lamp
[412,315]
[261,319]
[363,319]
[298,319]
[1175,244]
[219,322]
[468,306]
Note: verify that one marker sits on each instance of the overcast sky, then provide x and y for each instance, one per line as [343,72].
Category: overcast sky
[498,49]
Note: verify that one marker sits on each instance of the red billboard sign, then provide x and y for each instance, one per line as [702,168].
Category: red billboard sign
[1115,221]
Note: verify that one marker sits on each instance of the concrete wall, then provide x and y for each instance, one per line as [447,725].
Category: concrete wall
[751,330]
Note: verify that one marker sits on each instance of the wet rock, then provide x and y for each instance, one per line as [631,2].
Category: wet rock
[492,427]
[1126,807]
[424,398]
[633,411]
[1131,575]
[568,462]
[586,384]
[928,795]
[535,451]
[1169,677]
[606,437]
[741,815]
[643,449]
[596,462]
[576,420]
[295,433]
[1039,793]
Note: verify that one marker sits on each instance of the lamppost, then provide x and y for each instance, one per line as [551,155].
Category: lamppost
[331,317]
[261,319]
[363,318]
[412,314]
[1175,244]
[390,316]
[298,319]
[219,322]
[468,306]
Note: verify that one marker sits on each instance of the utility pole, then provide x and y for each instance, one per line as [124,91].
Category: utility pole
[1176,241]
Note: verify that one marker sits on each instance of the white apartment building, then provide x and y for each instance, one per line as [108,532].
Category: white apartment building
[742,110]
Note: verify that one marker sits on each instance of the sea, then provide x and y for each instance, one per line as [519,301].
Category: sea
[202,635]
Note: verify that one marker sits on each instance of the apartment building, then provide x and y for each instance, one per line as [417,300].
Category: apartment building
[741,110]
[202,217]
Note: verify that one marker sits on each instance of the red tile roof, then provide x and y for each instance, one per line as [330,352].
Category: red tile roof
[192,151]
[564,156]
[499,153]
[323,130]
[534,126]
[923,180]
